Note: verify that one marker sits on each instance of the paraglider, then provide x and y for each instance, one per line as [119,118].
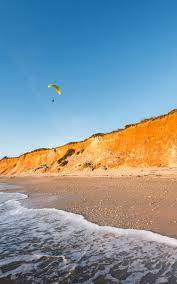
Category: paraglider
[56,88]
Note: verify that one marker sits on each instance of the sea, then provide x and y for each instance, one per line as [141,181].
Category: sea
[54,246]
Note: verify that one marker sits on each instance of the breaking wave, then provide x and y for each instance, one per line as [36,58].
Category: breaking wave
[54,246]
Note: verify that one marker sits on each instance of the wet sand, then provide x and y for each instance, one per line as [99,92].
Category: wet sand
[139,202]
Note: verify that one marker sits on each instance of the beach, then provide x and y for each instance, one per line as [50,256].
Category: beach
[123,230]
[146,201]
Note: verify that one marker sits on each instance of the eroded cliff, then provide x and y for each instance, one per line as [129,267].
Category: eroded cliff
[150,143]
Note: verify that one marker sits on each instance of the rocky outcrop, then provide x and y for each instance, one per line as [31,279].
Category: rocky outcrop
[150,143]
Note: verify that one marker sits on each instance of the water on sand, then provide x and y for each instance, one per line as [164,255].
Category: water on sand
[54,246]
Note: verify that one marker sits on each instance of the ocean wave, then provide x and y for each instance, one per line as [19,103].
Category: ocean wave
[62,247]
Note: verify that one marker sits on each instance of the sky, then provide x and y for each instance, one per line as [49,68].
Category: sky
[115,61]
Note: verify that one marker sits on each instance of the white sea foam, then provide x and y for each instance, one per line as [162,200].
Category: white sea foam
[40,244]
[4,197]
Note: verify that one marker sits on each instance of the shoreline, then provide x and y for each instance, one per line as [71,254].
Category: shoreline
[128,202]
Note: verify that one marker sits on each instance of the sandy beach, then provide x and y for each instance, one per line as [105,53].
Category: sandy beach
[141,201]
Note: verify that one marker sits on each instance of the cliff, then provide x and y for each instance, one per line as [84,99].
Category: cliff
[149,143]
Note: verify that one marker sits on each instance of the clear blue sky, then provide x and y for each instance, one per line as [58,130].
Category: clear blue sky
[116,62]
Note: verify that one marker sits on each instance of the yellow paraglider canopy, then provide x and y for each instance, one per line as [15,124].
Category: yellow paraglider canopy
[56,88]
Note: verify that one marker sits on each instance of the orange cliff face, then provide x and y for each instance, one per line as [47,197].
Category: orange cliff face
[151,143]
